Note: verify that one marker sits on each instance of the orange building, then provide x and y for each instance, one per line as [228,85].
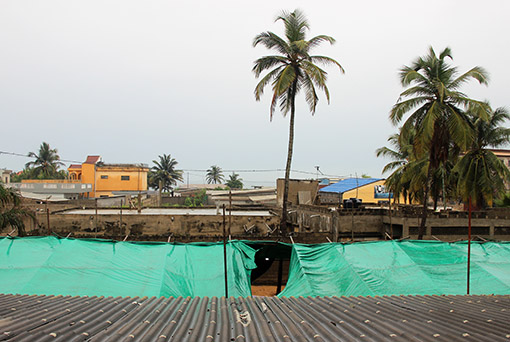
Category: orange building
[110,179]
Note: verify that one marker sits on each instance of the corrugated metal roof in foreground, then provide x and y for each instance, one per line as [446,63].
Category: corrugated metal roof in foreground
[405,318]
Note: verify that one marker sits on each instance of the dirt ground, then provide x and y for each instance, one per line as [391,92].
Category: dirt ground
[264,290]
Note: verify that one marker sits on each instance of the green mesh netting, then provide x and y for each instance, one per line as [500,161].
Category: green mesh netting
[53,266]
[397,268]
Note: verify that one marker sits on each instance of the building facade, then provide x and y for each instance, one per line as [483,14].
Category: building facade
[110,179]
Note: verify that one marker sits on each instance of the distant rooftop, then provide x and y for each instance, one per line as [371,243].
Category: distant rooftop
[348,184]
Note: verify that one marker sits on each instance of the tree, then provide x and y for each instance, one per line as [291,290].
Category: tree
[292,70]
[482,175]
[46,163]
[436,111]
[401,155]
[11,211]
[214,175]
[234,181]
[163,175]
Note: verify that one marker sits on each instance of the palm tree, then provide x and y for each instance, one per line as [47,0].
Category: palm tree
[234,181]
[401,155]
[46,163]
[163,174]
[214,175]
[11,211]
[293,69]
[482,175]
[436,105]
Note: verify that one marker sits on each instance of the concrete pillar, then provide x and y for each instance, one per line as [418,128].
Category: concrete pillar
[405,227]
[428,230]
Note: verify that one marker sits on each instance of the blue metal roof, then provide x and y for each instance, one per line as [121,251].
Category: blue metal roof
[348,184]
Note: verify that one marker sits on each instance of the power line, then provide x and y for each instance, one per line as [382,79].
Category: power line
[198,170]
[27,156]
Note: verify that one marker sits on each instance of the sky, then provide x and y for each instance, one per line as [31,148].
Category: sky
[130,80]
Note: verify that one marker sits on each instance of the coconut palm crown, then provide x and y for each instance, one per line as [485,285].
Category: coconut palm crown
[214,175]
[47,161]
[291,70]
[164,173]
[482,175]
[436,109]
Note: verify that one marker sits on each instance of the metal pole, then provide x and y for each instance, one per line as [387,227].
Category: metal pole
[469,244]
[225,252]
[230,214]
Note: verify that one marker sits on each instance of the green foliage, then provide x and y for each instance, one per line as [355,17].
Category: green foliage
[234,181]
[214,175]
[444,124]
[294,68]
[32,173]
[482,175]
[11,210]
[163,172]
[503,201]
[46,163]
[196,200]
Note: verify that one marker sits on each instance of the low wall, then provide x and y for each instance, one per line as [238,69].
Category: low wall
[151,227]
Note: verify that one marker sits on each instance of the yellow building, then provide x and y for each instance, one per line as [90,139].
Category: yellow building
[110,179]
[369,190]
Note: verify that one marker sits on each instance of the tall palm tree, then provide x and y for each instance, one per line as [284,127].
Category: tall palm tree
[46,163]
[164,175]
[11,211]
[482,175]
[214,175]
[435,105]
[292,70]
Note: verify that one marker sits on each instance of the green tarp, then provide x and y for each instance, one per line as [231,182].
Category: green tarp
[54,266]
[397,268]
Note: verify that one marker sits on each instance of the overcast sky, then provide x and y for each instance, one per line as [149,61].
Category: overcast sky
[130,80]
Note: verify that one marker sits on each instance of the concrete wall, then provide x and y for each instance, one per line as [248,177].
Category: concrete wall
[295,186]
[150,227]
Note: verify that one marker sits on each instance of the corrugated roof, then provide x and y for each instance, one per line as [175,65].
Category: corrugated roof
[405,318]
[348,184]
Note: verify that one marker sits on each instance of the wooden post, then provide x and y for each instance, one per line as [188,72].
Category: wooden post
[225,252]
[48,218]
[469,244]
[391,225]
[95,202]
[139,203]
[230,214]
[120,214]
[160,190]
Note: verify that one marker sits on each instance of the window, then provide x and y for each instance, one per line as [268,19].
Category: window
[104,176]
[124,177]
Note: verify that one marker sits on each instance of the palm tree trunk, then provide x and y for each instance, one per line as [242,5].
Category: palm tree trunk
[421,230]
[283,222]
